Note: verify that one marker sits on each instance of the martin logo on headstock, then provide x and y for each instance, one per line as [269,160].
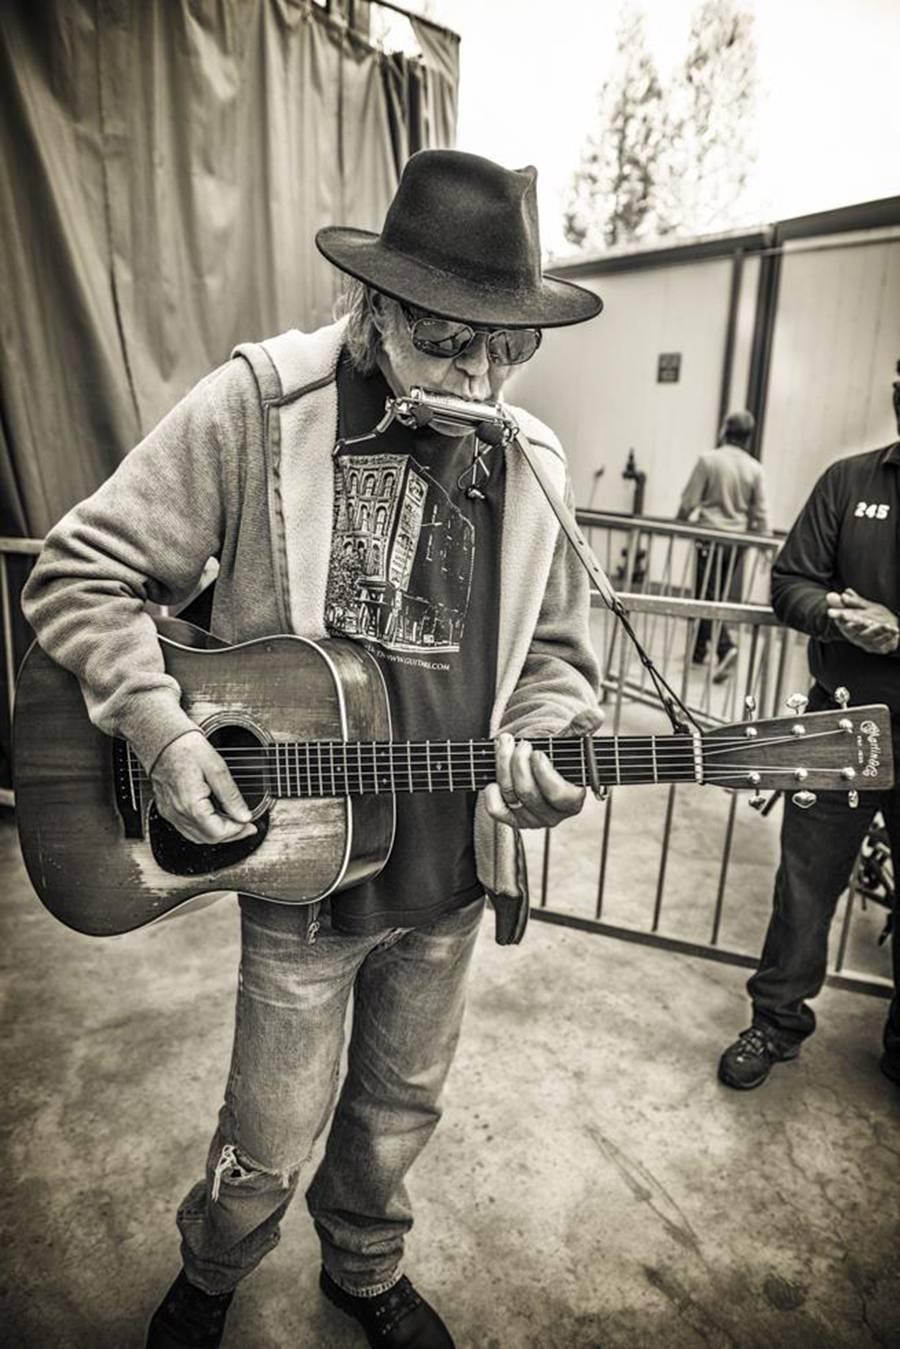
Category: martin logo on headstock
[868,748]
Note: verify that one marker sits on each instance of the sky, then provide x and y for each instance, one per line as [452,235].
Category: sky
[828,110]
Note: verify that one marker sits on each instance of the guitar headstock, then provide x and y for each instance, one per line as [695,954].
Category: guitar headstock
[848,749]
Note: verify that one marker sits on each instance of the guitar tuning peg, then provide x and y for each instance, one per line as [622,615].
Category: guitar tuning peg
[797,703]
[750,707]
[842,697]
[804,799]
[757,800]
[853,799]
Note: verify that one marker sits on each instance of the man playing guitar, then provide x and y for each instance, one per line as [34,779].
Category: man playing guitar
[439,554]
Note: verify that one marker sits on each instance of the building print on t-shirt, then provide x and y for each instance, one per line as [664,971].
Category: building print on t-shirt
[402,556]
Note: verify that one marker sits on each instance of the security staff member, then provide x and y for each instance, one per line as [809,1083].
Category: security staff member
[838,579]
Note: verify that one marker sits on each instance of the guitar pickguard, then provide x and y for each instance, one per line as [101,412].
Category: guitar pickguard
[178,855]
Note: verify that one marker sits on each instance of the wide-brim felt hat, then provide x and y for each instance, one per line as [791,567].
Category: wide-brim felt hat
[461,239]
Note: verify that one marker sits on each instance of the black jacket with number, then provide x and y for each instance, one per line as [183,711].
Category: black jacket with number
[848,534]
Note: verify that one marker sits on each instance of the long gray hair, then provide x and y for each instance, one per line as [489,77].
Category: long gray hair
[363,338]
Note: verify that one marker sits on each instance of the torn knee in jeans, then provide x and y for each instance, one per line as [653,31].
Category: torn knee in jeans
[236,1168]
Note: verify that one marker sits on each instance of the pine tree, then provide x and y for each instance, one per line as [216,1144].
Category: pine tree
[703,182]
[674,160]
[611,199]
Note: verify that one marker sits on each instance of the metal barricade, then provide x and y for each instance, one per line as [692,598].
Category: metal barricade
[687,869]
[642,553]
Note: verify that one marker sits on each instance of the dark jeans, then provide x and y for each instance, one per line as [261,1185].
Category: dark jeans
[818,849]
[718,575]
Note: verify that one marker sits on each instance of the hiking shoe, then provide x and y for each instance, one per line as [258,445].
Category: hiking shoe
[724,665]
[890,1059]
[188,1317]
[890,1066]
[747,1062]
[397,1319]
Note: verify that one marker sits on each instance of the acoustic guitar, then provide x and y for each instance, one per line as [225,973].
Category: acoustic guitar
[305,729]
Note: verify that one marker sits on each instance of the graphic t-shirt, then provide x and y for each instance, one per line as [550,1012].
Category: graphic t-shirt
[415,576]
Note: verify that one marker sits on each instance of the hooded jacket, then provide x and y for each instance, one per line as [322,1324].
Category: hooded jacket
[241,471]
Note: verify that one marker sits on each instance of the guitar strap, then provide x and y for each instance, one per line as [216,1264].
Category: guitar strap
[588,559]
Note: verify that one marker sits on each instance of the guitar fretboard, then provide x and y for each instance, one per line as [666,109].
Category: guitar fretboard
[317,768]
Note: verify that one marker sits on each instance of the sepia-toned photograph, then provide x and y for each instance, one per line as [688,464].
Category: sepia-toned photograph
[450,659]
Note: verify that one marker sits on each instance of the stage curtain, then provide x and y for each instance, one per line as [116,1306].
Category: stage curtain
[164,167]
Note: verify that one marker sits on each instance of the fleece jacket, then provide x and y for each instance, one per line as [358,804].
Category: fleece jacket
[248,480]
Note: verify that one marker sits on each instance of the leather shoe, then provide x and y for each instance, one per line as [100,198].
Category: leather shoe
[890,1066]
[890,1059]
[397,1319]
[188,1318]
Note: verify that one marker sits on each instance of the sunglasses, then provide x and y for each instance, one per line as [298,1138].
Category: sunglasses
[448,338]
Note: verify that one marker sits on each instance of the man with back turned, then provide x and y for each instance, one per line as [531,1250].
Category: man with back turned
[726,490]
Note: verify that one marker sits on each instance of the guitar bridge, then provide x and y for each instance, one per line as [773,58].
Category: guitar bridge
[127,789]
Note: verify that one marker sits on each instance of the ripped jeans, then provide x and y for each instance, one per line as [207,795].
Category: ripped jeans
[408,996]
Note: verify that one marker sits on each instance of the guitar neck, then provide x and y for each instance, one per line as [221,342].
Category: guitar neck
[359,768]
[824,750]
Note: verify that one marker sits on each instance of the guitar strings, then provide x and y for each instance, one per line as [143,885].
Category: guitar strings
[733,779]
[258,765]
[284,754]
[366,765]
[336,767]
[560,741]
[649,745]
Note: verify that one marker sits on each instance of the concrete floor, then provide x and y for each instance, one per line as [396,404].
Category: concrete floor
[591,1183]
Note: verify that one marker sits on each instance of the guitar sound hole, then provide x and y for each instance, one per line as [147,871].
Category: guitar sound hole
[247,756]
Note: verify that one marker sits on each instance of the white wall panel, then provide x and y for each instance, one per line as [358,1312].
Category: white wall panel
[595,384]
[837,340]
